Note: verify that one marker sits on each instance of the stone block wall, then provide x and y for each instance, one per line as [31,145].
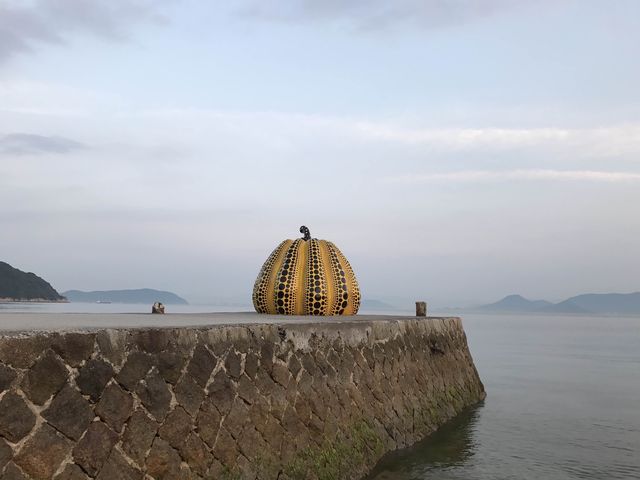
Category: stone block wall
[301,401]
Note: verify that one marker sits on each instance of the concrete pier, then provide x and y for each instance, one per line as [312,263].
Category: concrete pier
[224,395]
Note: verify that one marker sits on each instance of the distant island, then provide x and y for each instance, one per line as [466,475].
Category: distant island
[141,295]
[590,303]
[19,286]
[376,305]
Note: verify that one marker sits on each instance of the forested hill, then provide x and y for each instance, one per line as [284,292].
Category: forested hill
[18,285]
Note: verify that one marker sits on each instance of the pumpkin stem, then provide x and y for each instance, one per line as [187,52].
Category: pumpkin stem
[305,231]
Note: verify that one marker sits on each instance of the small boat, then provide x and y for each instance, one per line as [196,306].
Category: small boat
[103,301]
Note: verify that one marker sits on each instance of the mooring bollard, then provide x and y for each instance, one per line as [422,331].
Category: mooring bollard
[421,309]
[157,307]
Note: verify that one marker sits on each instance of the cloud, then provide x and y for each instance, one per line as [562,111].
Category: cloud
[26,25]
[601,141]
[475,176]
[27,143]
[464,137]
[378,14]
[105,117]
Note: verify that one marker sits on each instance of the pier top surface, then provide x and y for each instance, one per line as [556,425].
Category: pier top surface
[27,321]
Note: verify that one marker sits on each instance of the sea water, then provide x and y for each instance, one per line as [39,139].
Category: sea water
[563,402]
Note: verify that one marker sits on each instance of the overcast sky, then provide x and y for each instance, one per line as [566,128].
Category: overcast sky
[454,150]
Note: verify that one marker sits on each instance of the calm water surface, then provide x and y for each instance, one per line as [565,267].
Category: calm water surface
[563,402]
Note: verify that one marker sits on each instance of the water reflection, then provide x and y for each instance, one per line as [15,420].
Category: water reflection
[452,445]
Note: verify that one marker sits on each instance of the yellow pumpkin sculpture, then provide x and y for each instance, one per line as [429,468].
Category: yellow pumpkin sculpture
[306,276]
